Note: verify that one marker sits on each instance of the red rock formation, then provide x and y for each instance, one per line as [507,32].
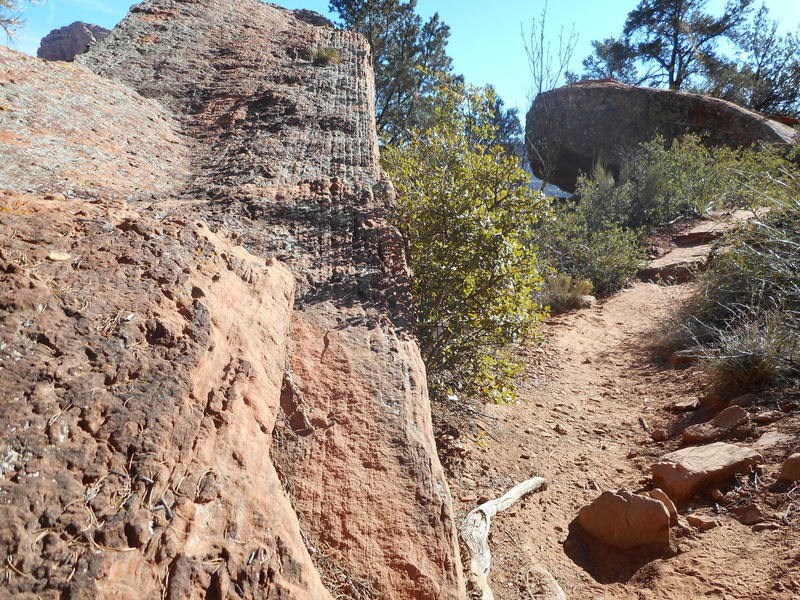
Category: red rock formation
[68,42]
[243,133]
[572,127]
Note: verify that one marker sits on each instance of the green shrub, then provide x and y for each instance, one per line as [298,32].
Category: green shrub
[754,352]
[662,182]
[467,212]
[598,235]
[326,56]
[606,254]
[746,319]
[564,292]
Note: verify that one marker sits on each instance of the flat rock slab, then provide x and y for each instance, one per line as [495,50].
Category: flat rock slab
[770,439]
[703,233]
[685,472]
[723,424]
[679,266]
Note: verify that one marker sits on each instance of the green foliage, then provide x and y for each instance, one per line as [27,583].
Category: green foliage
[672,36]
[758,352]
[598,236]
[408,57]
[573,242]
[611,59]
[746,320]
[766,77]
[662,182]
[507,127]
[564,292]
[665,42]
[467,212]
[326,56]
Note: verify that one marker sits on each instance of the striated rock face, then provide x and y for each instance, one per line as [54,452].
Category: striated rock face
[572,127]
[283,420]
[68,42]
[142,359]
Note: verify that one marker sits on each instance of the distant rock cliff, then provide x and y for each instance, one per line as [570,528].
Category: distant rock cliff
[68,42]
[214,390]
[572,127]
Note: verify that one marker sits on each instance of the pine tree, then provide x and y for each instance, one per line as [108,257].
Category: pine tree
[676,36]
[408,55]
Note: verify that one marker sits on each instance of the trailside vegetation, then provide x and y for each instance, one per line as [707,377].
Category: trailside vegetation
[599,234]
[745,322]
[468,214]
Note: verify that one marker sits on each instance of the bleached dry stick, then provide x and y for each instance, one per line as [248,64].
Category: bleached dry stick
[475,533]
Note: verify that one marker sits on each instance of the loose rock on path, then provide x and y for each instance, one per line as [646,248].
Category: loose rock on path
[594,379]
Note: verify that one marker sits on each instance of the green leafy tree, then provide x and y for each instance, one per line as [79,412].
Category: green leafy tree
[612,59]
[468,214]
[767,77]
[405,53]
[506,129]
[675,36]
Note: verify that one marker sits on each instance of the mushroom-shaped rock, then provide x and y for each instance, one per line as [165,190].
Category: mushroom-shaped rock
[571,128]
[625,520]
[684,472]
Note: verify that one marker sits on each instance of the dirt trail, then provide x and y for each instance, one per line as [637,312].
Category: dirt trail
[577,423]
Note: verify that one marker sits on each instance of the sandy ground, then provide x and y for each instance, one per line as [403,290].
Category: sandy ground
[577,424]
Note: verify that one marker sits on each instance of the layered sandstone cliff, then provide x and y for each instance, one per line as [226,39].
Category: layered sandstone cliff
[204,339]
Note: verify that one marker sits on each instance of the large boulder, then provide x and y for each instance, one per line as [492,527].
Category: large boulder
[625,520]
[271,431]
[68,42]
[570,128]
[685,472]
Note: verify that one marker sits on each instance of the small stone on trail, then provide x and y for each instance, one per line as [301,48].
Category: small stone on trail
[718,496]
[56,256]
[685,405]
[658,494]
[659,435]
[559,428]
[748,515]
[765,526]
[768,416]
[684,472]
[587,301]
[702,522]
[771,439]
[724,424]
[790,470]
[626,520]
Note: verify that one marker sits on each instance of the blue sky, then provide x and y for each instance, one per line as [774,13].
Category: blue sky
[485,40]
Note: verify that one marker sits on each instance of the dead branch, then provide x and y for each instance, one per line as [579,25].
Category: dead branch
[475,533]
